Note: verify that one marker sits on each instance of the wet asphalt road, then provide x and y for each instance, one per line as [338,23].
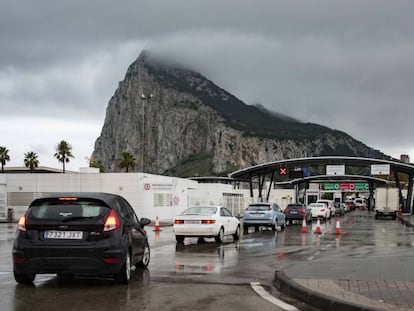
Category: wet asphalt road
[206,275]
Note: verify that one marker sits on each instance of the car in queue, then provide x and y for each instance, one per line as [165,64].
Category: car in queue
[329,204]
[80,234]
[297,212]
[319,210]
[206,222]
[339,208]
[263,214]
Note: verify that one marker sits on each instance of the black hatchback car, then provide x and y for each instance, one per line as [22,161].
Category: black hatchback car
[80,234]
[297,211]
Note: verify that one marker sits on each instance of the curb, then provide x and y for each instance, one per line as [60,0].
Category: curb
[289,287]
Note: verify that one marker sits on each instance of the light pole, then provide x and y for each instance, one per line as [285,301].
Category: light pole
[145,98]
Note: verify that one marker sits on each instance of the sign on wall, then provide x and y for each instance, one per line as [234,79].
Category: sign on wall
[380,169]
[335,170]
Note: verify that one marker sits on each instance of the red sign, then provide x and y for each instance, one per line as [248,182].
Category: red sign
[147,186]
[347,186]
[283,170]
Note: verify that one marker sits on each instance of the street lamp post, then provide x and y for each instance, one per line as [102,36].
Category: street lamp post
[144,98]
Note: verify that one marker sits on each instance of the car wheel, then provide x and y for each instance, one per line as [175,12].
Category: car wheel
[124,274]
[24,278]
[236,235]
[246,229]
[274,225]
[219,237]
[179,238]
[283,226]
[145,257]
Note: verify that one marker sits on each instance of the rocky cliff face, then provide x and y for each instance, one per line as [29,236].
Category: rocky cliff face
[192,127]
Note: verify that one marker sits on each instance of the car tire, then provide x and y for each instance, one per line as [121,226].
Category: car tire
[24,278]
[273,226]
[246,229]
[179,238]
[124,275]
[144,262]
[282,227]
[236,234]
[219,237]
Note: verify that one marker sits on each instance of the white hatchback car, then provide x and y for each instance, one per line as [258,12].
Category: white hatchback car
[206,222]
[319,210]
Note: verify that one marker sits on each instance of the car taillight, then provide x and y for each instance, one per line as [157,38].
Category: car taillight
[286,211]
[322,209]
[178,221]
[112,221]
[301,211]
[22,223]
[208,221]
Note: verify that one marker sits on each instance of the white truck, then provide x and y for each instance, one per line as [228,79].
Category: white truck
[387,202]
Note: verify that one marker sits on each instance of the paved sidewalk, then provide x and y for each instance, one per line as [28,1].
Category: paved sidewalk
[368,286]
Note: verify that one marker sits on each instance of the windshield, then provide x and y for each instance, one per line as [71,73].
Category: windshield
[258,207]
[199,210]
[55,209]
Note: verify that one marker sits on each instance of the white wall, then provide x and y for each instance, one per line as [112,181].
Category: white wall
[140,189]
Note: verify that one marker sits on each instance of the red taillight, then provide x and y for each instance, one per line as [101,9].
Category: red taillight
[178,221]
[112,221]
[112,259]
[22,223]
[322,209]
[18,259]
[286,211]
[270,208]
[302,211]
[208,221]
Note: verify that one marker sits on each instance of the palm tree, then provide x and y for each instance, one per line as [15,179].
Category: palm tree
[30,160]
[63,153]
[127,161]
[97,164]
[4,157]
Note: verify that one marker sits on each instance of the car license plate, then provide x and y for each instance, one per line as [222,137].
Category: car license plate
[293,212]
[259,215]
[68,235]
[192,222]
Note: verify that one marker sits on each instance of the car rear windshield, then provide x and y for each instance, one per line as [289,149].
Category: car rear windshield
[67,209]
[262,207]
[199,210]
[295,206]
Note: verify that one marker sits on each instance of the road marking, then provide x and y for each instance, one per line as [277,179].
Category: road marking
[264,294]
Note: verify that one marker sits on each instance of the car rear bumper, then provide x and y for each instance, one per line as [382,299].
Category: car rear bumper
[196,230]
[257,222]
[75,260]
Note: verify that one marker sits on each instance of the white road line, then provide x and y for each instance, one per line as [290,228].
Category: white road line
[264,294]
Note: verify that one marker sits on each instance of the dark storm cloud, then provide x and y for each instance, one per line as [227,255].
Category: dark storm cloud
[344,64]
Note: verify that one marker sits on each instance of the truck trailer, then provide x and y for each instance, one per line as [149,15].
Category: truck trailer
[387,202]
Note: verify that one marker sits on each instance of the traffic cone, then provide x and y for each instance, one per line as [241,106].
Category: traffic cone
[318,227]
[338,227]
[304,228]
[157,225]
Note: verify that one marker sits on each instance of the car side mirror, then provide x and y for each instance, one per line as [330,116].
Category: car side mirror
[144,222]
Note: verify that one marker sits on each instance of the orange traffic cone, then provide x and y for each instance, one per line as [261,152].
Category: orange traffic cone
[318,226]
[157,225]
[338,227]
[304,228]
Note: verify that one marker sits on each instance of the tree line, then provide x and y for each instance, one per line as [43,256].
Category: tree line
[63,154]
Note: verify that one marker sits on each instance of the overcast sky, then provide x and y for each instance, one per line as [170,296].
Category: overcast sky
[348,65]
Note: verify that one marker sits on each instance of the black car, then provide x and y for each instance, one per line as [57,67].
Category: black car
[297,212]
[80,234]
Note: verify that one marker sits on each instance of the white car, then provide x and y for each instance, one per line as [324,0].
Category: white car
[330,205]
[319,210]
[206,222]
